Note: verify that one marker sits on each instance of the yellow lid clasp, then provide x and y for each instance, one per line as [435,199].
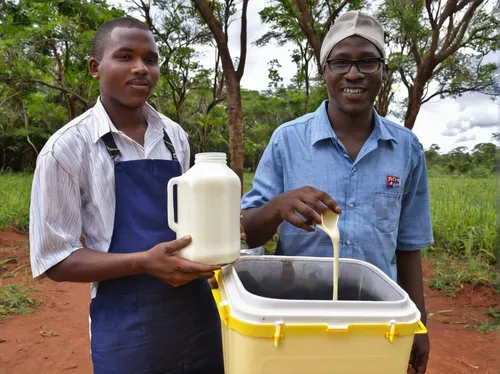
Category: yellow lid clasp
[392,331]
[277,333]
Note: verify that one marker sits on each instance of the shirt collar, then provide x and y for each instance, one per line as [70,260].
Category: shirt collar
[322,129]
[103,124]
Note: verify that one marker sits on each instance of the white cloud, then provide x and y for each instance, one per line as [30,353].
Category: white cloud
[465,138]
[477,115]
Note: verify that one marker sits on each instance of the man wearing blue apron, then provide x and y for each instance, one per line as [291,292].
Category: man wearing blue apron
[103,178]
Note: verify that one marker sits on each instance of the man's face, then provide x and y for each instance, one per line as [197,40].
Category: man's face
[128,70]
[352,91]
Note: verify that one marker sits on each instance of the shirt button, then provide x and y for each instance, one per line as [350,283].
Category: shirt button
[351,205]
[348,242]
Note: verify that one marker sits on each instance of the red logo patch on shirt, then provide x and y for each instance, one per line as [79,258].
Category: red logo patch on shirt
[393,182]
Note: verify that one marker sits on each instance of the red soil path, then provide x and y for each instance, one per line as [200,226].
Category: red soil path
[54,339]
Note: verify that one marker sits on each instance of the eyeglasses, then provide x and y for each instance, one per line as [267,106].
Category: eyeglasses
[365,65]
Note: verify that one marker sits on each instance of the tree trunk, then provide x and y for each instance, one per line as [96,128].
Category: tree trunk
[178,109]
[26,126]
[308,88]
[232,79]
[303,19]
[424,73]
[71,107]
[414,103]
[385,95]
[235,125]
[4,153]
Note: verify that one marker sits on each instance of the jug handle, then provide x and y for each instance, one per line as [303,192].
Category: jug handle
[170,203]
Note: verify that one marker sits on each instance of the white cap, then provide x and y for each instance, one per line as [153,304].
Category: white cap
[353,23]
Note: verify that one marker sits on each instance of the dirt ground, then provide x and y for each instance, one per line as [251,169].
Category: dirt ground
[54,339]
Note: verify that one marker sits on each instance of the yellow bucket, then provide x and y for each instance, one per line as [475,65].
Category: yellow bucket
[272,332]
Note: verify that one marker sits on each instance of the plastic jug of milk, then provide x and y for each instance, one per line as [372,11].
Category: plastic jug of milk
[208,209]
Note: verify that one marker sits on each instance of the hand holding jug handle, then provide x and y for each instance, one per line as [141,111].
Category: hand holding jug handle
[170,204]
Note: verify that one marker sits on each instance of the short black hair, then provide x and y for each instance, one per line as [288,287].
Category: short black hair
[104,31]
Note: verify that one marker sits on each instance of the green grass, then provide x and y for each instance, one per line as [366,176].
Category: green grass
[491,324]
[15,192]
[452,272]
[463,214]
[464,218]
[247,181]
[15,299]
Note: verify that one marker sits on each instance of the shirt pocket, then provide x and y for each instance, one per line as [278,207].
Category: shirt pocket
[386,211]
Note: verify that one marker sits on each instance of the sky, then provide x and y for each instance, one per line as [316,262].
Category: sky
[450,123]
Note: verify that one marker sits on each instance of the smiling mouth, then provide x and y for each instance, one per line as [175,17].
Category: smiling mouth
[139,85]
[353,91]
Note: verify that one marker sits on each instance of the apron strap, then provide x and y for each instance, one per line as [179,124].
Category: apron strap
[110,144]
[115,153]
[169,145]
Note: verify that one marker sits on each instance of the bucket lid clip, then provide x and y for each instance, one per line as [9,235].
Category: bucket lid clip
[392,331]
[277,333]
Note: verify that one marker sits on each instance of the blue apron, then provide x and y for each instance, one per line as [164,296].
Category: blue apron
[140,324]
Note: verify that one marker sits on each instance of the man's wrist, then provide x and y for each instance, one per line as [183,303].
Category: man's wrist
[140,262]
[274,211]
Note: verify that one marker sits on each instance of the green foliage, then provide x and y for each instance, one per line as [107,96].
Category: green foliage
[44,82]
[491,323]
[283,18]
[427,46]
[452,273]
[15,191]
[479,163]
[15,300]
[44,47]
[464,217]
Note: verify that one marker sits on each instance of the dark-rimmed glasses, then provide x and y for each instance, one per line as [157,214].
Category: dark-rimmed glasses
[364,65]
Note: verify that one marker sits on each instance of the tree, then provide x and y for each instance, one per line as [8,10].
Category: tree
[442,41]
[484,155]
[432,156]
[44,82]
[305,24]
[177,31]
[232,74]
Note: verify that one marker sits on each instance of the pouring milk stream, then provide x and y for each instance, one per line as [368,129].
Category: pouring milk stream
[329,224]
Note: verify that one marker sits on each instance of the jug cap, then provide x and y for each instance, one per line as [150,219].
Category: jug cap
[210,156]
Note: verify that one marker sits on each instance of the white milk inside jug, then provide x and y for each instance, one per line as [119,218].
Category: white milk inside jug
[208,209]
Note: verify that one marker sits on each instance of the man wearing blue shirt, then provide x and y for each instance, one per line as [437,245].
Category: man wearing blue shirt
[347,158]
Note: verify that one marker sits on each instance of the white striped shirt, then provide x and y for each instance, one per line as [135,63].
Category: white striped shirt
[73,191]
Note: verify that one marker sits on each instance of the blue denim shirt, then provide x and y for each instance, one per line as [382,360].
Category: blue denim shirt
[384,193]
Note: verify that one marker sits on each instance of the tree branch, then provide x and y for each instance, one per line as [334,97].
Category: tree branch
[303,19]
[429,12]
[448,11]
[415,52]
[459,32]
[216,29]
[404,79]
[10,97]
[473,36]
[475,88]
[333,16]
[243,41]
[62,89]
